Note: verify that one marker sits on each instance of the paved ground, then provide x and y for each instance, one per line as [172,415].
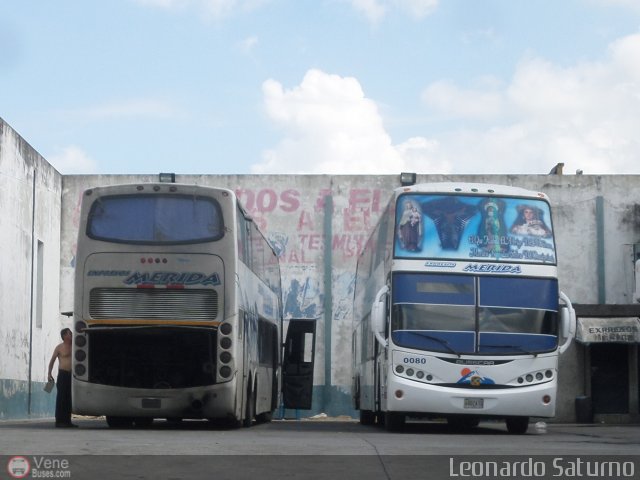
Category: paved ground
[304,449]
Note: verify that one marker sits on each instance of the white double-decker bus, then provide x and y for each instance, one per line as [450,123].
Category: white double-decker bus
[178,310]
[457,310]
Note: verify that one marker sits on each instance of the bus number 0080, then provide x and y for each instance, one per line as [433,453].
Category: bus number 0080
[415,360]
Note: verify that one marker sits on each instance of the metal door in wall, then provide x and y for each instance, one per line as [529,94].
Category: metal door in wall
[610,378]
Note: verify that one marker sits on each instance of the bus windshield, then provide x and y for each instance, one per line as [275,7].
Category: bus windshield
[474,314]
[155,219]
[465,227]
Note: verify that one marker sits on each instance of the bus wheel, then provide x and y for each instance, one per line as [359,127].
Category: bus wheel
[250,408]
[517,425]
[119,422]
[394,421]
[367,417]
[264,417]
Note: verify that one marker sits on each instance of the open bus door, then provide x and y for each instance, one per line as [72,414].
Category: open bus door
[297,365]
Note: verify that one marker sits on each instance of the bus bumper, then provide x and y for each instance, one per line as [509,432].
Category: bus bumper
[413,397]
[214,401]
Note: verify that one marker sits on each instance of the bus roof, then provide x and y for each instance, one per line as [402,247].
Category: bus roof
[470,188]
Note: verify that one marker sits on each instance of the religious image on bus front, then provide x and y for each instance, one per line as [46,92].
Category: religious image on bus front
[474,228]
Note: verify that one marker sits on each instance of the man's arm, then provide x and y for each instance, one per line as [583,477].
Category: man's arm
[56,353]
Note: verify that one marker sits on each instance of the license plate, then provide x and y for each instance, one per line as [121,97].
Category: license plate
[474,403]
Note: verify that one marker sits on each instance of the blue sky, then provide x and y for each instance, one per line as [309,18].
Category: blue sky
[324,86]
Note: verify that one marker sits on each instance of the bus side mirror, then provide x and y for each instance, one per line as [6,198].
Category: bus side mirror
[567,322]
[378,315]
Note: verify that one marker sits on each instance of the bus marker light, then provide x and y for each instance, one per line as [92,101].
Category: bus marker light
[546,399]
[399,394]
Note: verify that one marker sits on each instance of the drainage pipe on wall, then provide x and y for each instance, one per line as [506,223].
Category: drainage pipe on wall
[602,293]
[31,299]
[328,297]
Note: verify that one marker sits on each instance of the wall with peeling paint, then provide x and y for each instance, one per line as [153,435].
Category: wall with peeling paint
[291,211]
[30,200]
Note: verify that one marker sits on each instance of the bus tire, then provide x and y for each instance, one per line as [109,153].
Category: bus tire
[119,422]
[517,425]
[394,421]
[264,417]
[250,408]
[367,417]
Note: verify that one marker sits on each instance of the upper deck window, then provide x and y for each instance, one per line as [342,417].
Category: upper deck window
[155,219]
[465,227]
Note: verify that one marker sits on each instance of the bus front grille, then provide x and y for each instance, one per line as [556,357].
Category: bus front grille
[153,304]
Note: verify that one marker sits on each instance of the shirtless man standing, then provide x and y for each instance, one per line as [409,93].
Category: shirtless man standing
[63,386]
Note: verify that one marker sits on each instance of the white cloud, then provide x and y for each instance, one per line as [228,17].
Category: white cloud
[165,4]
[72,160]
[248,44]
[631,4]
[132,108]
[585,115]
[376,10]
[214,9]
[453,101]
[417,8]
[331,127]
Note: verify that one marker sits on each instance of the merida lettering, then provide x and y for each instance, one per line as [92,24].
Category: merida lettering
[172,278]
[492,268]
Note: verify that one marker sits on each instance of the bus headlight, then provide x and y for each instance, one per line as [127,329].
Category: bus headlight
[540,376]
[225,357]
[225,371]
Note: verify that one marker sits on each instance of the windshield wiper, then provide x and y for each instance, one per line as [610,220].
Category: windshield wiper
[441,341]
[516,347]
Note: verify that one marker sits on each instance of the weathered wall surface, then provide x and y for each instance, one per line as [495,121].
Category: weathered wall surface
[293,212]
[30,196]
